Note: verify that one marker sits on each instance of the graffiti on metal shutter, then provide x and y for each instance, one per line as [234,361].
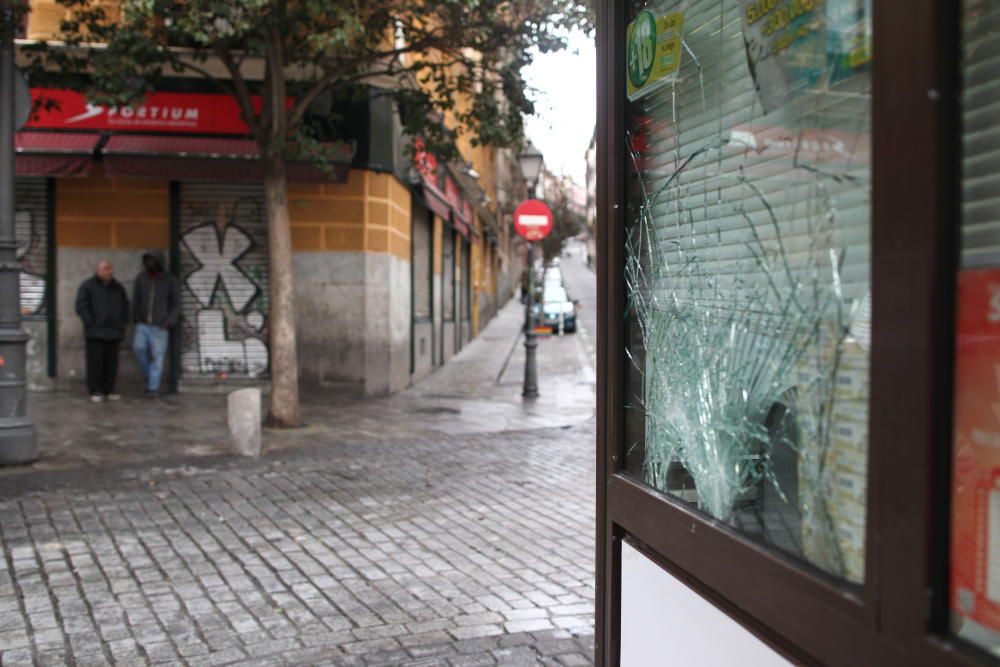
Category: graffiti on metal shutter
[224,274]
[29,232]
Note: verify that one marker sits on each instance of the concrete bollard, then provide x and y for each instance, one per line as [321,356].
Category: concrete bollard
[244,421]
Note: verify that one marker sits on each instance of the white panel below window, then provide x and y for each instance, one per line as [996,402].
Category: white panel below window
[666,623]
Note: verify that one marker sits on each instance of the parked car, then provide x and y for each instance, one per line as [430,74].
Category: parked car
[557,310]
[553,276]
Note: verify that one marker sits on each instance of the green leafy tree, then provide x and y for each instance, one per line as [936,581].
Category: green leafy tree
[459,60]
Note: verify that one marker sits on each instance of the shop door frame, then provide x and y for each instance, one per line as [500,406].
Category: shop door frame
[419,209]
[900,614]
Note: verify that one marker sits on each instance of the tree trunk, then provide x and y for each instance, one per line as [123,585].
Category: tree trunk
[284,409]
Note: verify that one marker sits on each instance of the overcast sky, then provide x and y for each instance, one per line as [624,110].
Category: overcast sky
[565,106]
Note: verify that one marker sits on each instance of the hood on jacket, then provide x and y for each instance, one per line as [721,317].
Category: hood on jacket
[156,254]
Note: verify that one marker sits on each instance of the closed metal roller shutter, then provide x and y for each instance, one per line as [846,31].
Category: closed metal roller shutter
[224,278]
[421,268]
[981,134]
[466,292]
[713,162]
[448,273]
[31,206]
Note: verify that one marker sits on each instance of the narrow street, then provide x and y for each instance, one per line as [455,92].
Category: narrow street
[582,286]
[448,525]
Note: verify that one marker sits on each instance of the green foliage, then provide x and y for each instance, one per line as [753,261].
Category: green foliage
[273,50]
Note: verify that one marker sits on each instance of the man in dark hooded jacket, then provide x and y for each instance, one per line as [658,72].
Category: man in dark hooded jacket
[102,304]
[156,309]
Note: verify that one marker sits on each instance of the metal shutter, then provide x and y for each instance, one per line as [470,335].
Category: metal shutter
[466,283]
[448,273]
[224,276]
[725,161]
[748,256]
[421,268]
[981,134]
[31,208]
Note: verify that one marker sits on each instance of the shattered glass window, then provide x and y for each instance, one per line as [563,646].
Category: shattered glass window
[747,266]
[975,500]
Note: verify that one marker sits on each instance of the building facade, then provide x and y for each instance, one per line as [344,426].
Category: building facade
[394,267]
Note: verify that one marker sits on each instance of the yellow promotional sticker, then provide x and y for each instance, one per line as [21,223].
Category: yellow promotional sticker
[653,52]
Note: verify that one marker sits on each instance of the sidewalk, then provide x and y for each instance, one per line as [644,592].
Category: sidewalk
[478,391]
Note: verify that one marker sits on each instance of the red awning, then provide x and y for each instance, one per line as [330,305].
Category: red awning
[201,159]
[438,203]
[460,226]
[157,145]
[54,153]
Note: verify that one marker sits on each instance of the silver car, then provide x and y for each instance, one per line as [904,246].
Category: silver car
[558,311]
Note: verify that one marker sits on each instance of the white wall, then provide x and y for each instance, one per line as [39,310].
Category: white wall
[666,623]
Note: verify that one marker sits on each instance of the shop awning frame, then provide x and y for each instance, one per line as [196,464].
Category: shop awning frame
[52,154]
[185,158]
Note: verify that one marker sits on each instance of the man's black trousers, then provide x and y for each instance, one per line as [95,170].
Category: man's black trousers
[102,365]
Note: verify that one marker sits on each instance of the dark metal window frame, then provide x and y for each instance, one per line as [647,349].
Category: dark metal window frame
[900,614]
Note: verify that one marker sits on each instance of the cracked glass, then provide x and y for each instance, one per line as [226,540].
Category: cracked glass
[747,267]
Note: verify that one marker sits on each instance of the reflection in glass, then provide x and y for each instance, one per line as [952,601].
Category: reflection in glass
[975,539]
[747,268]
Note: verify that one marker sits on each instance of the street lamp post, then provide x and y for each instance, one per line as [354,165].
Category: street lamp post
[531,168]
[17,431]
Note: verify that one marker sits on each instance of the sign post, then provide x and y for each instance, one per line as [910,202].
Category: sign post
[533,220]
[17,430]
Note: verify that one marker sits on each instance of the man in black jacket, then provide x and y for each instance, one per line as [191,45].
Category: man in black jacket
[102,304]
[156,309]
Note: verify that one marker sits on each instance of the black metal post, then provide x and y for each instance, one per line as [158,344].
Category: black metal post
[17,430]
[530,341]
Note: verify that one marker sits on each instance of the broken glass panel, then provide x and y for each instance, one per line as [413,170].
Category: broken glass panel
[747,267]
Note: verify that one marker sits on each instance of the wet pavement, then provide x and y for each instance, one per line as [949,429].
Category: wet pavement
[478,391]
[581,285]
[451,524]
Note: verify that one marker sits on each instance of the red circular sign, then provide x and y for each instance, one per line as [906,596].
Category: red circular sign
[533,220]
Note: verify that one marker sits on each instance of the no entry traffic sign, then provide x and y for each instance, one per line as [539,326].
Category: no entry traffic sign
[533,220]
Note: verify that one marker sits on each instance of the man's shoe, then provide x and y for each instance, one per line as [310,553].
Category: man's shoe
[97,398]
[152,394]
[114,397]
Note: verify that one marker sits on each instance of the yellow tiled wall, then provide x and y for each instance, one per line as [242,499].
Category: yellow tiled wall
[102,212]
[438,240]
[368,213]
[46,16]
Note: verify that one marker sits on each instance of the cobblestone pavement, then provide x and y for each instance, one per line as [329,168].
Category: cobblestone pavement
[453,550]
[451,524]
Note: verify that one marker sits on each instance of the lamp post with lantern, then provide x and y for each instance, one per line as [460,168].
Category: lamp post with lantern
[530,161]
[17,430]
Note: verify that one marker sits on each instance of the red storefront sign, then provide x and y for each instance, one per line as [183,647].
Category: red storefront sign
[975,539]
[425,161]
[190,113]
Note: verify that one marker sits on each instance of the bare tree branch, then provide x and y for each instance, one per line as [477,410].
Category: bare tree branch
[243,97]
